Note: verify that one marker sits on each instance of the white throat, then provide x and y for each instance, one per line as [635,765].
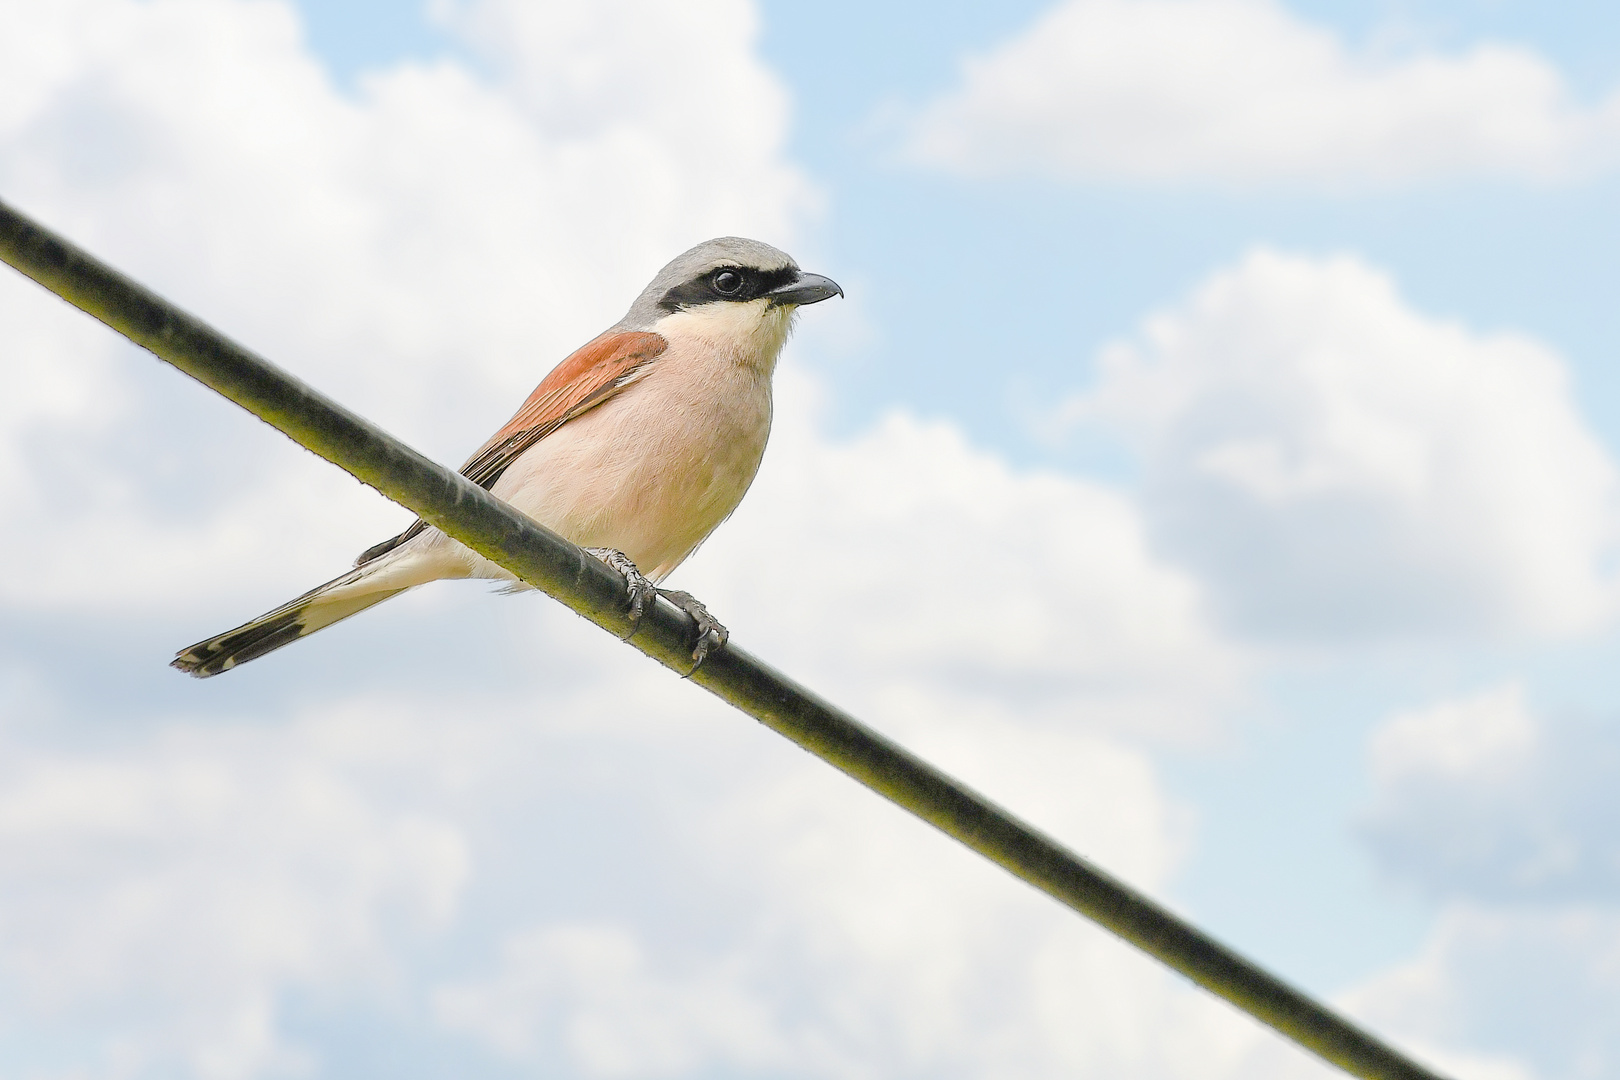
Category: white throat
[749,334]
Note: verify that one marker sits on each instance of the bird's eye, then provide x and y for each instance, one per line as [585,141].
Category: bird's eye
[728,283]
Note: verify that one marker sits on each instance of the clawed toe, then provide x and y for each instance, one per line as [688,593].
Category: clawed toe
[642,590]
[711,636]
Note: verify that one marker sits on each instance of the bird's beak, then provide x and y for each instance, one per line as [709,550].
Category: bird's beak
[805,289]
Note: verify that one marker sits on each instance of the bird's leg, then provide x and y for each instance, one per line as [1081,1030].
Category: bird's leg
[642,590]
[710,634]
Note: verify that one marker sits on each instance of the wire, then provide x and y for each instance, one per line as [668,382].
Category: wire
[545,560]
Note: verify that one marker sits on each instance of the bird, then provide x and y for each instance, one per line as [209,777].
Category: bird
[635,447]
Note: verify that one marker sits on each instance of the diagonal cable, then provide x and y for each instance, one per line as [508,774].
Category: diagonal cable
[551,564]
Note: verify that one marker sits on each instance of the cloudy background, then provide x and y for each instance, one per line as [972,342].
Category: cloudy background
[1215,461]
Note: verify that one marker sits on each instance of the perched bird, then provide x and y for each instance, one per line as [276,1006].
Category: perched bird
[635,448]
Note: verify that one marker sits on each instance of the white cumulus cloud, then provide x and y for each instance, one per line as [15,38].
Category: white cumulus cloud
[1244,92]
[1337,464]
[476,827]
[1507,815]
[1481,798]
[993,583]
[172,890]
[197,145]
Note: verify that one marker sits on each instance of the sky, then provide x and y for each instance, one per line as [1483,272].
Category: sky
[1213,461]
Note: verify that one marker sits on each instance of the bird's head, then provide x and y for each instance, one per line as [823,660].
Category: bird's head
[735,294]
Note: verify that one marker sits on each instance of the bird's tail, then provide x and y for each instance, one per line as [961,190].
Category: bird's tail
[315,610]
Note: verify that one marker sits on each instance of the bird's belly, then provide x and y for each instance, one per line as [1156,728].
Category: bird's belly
[649,473]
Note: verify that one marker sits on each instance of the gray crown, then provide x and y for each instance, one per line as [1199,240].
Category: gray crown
[693,264]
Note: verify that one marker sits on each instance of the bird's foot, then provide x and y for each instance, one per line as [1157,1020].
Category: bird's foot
[642,590]
[710,634]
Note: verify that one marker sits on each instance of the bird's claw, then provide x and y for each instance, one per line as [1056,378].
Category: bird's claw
[711,636]
[642,590]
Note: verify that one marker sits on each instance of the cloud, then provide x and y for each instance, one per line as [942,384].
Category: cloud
[632,880]
[1534,984]
[175,888]
[622,1019]
[473,828]
[938,565]
[856,941]
[474,831]
[1336,465]
[1480,798]
[1507,816]
[1243,92]
[177,137]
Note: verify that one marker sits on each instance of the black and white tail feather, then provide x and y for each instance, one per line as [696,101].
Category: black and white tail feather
[315,610]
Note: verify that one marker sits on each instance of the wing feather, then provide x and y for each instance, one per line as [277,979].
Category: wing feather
[593,374]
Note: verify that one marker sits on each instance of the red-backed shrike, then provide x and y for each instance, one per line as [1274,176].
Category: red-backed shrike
[635,448]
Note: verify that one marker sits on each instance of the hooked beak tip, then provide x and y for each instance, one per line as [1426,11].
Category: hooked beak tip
[806,289]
